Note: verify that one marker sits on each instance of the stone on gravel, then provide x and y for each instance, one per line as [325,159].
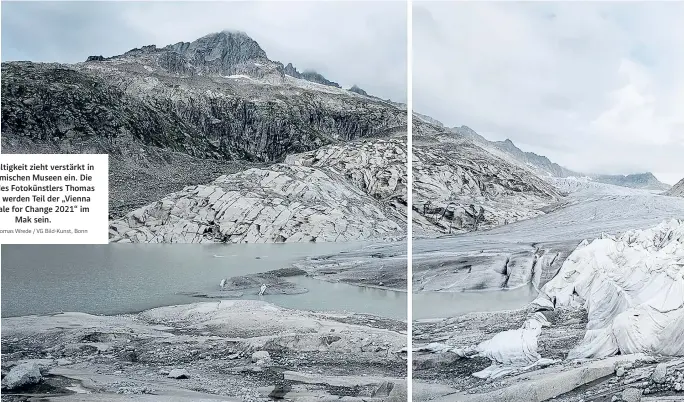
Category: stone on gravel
[631,395]
[178,374]
[22,375]
[660,373]
[260,355]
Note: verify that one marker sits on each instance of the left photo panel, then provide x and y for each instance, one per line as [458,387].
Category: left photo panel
[257,201]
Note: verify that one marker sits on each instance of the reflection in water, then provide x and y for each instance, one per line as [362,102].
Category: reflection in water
[122,278]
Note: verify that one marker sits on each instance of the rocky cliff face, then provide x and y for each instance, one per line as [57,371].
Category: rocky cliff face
[138,98]
[677,190]
[541,165]
[348,192]
[182,114]
[458,186]
[223,53]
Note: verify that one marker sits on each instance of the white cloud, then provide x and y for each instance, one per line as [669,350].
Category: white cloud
[594,86]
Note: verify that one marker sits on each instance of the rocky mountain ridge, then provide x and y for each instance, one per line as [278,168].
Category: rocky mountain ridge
[459,186]
[181,115]
[677,190]
[222,53]
[544,167]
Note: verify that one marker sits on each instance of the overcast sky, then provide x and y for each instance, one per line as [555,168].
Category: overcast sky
[347,43]
[596,87]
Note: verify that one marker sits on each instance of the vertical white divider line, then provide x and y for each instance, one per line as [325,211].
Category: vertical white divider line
[409,198]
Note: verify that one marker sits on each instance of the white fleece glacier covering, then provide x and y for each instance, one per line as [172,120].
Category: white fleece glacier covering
[633,289]
[513,350]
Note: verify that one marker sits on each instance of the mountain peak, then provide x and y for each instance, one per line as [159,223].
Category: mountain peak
[224,53]
[309,75]
[358,90]
[230,47]
[510,146]
[637,180]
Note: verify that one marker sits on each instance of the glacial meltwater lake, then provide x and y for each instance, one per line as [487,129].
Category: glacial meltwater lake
[429,305]
[126,278]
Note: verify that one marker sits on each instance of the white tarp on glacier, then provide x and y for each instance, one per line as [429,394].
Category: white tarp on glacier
[633,289]
[513,350]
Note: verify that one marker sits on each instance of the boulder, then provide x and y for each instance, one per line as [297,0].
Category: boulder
[178,374]
[260,355]
[22,375]
[631,395]
[660,373]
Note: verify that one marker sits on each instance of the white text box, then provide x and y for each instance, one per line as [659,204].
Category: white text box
[54,199]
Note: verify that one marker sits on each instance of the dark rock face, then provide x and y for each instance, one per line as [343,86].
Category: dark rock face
[55,104]
[291,71]
[60,104]
[223,54]
[316,77]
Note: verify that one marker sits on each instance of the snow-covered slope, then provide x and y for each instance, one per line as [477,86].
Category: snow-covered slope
[633,289]
[533,250]
[346,192]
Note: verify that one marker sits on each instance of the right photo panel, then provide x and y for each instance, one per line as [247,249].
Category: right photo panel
[548,201]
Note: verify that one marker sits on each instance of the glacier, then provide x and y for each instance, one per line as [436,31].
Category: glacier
[632,287]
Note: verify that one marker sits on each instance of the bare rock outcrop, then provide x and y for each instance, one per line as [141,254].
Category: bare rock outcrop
[677,190]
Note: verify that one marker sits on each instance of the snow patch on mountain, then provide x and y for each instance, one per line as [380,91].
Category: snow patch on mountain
[237,76]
